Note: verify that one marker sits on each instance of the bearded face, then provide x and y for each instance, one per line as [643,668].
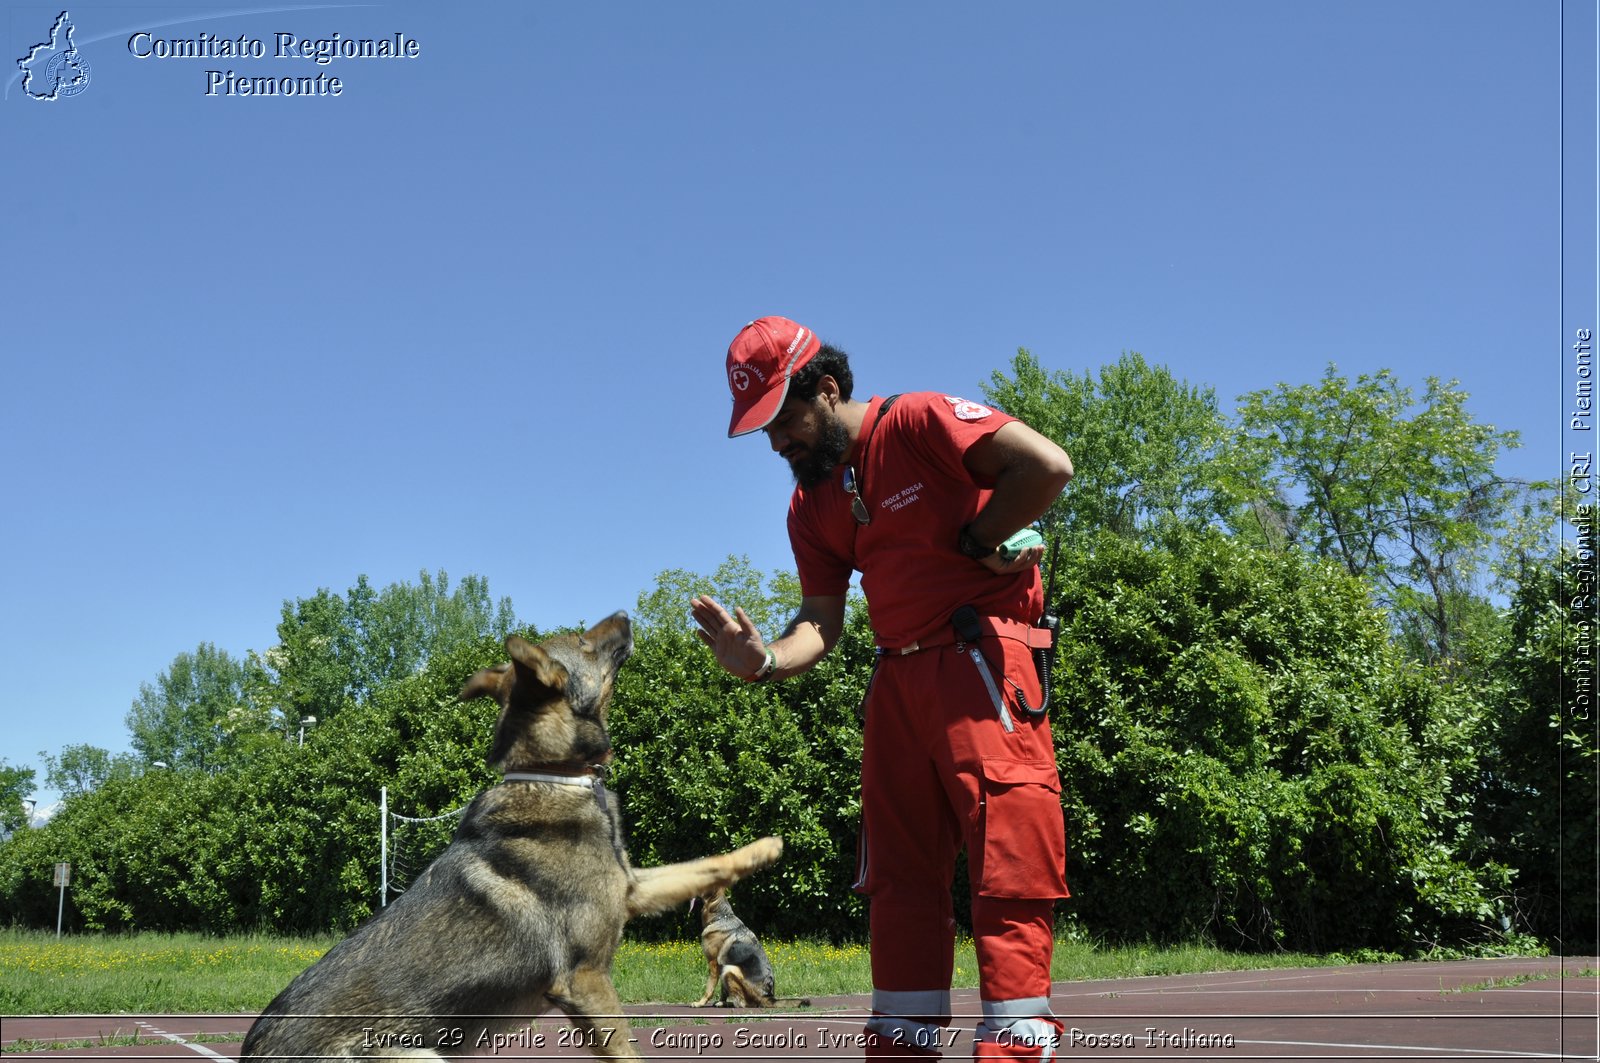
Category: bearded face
[812,463]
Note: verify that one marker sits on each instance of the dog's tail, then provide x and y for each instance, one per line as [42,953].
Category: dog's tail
[738,988]
[747,994]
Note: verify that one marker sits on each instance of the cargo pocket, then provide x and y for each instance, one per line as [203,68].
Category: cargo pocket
[1024,845]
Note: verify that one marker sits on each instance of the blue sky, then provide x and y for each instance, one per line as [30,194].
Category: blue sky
[470,314]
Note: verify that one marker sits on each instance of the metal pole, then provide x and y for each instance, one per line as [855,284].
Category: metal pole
[61,906]
[383,846]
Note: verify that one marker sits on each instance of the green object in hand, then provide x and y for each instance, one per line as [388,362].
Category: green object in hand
[1019,542]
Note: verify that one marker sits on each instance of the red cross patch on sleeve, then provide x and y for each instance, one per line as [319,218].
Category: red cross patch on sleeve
[967,410]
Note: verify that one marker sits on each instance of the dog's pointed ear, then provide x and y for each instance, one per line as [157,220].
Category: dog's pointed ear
[485,684]
[532,663]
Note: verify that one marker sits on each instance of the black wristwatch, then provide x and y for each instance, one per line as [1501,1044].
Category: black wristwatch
[971,547]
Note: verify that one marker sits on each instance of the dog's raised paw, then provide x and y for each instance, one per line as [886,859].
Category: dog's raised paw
[764,851]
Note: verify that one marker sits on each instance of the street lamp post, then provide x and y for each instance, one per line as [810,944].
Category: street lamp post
[312,720]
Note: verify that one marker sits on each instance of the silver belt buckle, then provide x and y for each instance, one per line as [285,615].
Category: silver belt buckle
[913,648]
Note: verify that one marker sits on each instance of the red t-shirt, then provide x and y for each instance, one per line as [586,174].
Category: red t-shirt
[920,495]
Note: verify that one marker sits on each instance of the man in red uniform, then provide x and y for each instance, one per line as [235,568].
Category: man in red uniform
[917,492]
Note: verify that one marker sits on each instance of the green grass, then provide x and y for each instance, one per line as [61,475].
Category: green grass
[1077,961]
[111,1041]
[177,973]
[1515,980]
[117,1041]
[160,973]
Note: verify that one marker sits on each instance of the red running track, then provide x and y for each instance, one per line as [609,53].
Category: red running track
[1503,1009]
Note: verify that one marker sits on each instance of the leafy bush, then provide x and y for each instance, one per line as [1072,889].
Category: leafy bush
[706,762]
[1247,757]
[286,841]
[1537,798]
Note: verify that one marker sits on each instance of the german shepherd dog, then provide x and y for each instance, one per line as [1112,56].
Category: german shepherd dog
[737,964]
[525,909]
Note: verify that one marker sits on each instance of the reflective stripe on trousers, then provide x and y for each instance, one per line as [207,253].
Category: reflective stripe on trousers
[1025,1023]
[912,1019]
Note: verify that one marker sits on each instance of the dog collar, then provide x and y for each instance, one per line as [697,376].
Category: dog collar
[562,775]
[591,778]
[587,778]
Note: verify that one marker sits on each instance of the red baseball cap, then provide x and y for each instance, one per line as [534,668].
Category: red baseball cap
[761,359]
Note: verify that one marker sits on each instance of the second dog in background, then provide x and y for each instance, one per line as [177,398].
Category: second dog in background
[738,971]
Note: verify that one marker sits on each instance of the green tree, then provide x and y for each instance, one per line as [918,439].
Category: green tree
[1402,493]
[292,842]
[311,671]
[1144,444]
[81,768]
[396,630]
[770,601]
[15,785]
[334,651]
[190,717]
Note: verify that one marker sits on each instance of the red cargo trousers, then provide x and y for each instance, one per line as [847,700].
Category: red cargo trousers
[952,760]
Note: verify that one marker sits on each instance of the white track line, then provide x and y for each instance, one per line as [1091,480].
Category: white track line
[190,1045]
[1457,1053]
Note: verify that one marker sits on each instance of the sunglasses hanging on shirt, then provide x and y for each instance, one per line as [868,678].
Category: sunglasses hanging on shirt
[858,508]
[852,482]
